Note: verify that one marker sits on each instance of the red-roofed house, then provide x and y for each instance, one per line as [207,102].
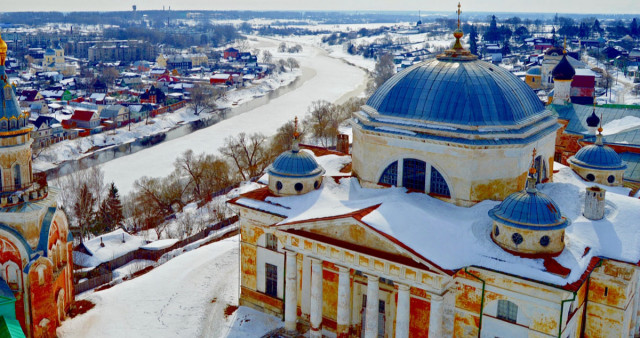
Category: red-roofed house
[86,119]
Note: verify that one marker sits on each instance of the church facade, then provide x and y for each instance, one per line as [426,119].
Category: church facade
[453,222]
[35,241]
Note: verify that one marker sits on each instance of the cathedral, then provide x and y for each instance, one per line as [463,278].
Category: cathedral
[454,221]
[36,274]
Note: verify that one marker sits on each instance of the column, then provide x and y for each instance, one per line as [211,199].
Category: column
[344,300]
[305,294]
[371,325]
[316,298]
[291,292]
[435,316]
[636,314]
[403,312]
[400,171]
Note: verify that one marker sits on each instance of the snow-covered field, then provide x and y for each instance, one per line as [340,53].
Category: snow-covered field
[333,81]
[185,297]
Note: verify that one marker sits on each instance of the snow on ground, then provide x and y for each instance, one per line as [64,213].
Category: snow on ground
[184,297]
[332,80]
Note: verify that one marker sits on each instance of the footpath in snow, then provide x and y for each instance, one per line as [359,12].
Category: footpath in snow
[332,80]
[185,297]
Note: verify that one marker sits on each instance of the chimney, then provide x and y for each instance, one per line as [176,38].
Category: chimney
[343,143]
[594,203]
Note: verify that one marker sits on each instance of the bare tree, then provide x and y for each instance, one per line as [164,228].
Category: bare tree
[206,174]
[203,98]
[292,63]
[109,75]
[384,70]
[267,57]
[283,139]
[92,182]
[282,47]
[248,153]
[157,199]
[84,209]
[323,122]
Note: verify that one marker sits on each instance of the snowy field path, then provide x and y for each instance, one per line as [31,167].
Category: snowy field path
[334,81]
[174,300]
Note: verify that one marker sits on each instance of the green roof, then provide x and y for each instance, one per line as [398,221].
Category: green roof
[10,328]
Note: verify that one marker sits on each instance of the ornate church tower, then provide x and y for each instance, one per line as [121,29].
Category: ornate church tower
[35,242]
[562,77]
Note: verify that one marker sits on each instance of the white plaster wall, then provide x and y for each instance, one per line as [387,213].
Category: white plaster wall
[461,167]
[492,327]
[271,257]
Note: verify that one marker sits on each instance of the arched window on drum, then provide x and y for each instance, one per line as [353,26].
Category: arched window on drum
[390,175]
[414,174]
[438,185]
[11,274]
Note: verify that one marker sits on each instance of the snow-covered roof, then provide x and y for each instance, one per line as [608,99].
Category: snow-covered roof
[454,237]
[116,244]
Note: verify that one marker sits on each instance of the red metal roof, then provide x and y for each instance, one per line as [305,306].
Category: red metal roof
[82,115]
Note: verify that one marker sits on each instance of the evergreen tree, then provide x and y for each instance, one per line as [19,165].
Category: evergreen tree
[553,36]
[633,28]
[506,48]
[596,27]
[110,213]
[473,40]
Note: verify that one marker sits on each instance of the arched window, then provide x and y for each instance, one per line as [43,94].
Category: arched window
[438,185]
[413,174]
[12,124]
[11,274]
[20,122]
[390,175]
[3,124]
[41,271]
[507,311]
[17,178]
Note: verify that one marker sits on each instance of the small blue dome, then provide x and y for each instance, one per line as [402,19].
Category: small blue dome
[534,70]
[49,51]
[529,209]
[598,156]
[469,93]
[294,163]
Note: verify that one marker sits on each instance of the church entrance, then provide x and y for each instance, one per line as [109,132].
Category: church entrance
[381,316]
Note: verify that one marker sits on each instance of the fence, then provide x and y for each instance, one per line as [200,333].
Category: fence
[92,283]
[147,255]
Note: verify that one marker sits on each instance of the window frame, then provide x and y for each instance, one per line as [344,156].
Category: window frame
[271,280]
[507,311]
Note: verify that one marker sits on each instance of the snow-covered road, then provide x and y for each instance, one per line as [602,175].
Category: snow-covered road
[184,297]
[334,80]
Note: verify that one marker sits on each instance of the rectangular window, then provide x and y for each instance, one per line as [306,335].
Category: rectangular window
[271,274]
[507,311]
[272,242]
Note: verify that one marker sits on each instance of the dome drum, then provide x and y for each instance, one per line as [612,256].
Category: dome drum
[288,186]
[604,177]
[598,163]
[528,242]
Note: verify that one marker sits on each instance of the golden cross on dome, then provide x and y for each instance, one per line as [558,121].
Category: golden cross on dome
[459,12]
[532,170]
[295,128]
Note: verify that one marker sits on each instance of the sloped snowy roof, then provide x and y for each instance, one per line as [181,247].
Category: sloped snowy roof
[454,237]
[116,244]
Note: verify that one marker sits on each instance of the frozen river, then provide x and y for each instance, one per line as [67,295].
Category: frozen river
[331,79]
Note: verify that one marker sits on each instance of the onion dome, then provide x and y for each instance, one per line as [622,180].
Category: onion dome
[529,209]
[597,156]
[593,120]
[563,70]
[11,116]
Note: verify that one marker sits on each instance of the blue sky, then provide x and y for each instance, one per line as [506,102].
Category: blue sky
[551,6]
